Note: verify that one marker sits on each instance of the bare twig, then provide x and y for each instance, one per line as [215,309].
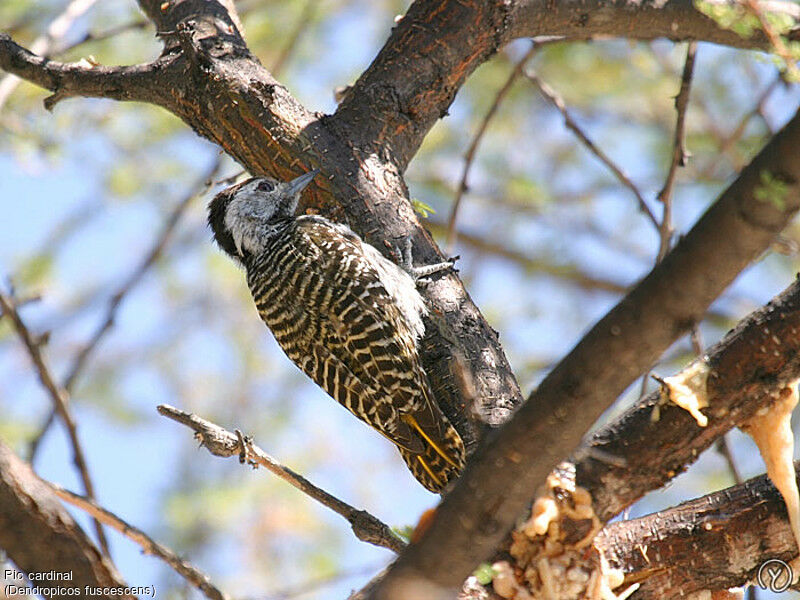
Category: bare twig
[558,102]
[728,141]
[138,82]
[724,448]
[90,37]
[43,44]
[302,23]
[79,362]
[679,153]
[222,442]
[469,156]
[60,398]
[149,546]
[203,183]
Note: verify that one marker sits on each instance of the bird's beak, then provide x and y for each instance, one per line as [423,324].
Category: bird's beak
[295,186]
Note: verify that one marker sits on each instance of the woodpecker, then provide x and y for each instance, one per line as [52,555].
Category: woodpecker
[348,317]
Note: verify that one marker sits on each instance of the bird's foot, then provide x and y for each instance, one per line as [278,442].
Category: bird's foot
[417,273]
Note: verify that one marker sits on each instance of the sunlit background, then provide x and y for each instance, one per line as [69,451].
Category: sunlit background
[548,239]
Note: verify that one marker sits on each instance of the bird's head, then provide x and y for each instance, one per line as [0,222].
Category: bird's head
[244,216]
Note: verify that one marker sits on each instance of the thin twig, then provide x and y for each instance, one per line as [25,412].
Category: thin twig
[221,442]
[90,37]
[679,153]
[469,156]
[728,141]
[20,302]
[566,272]
[157,249]
[558,102]
[149,546]
[302,23]
[41,45]
[198,188]
[724,448]
[679,158]
[60,398]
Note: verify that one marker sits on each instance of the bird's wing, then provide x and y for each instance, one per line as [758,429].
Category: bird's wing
[368,334]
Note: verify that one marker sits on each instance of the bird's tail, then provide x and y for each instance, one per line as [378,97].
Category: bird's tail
[443,456]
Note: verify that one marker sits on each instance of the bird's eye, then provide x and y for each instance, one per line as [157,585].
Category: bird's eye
[265,186]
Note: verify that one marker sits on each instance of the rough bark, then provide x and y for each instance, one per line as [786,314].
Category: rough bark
[748,368]
[39,535]
[207,76]
[504,474]
[439,43]
[715,542]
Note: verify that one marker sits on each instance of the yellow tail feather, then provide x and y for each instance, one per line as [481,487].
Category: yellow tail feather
[413,422]
[429,471]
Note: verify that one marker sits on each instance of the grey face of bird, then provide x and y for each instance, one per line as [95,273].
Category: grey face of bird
[244,217]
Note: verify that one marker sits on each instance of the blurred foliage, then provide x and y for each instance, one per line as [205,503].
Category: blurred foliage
[545,230]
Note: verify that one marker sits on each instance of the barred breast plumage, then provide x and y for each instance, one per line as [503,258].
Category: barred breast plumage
[348,317]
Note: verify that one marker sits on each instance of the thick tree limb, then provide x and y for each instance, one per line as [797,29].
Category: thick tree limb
[715,542]
[748,368]
[438,43]
[505,473]
[140,82]
[677,20]
[38,533]
[654,441]
[218,88]
[221,442]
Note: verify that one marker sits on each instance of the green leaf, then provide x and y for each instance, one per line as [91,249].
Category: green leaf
[404,532]
[422,209]
[772,189]
[484,573]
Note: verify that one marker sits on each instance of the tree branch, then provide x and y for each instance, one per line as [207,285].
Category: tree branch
[503,474]
[469,155]
[439,43]
[573,126]
[43,44]
[60,399]
[677,20]
[713,543]
[39,534]
[747,369]
[195,577]
[221,442]
[679,153]
[140,82]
